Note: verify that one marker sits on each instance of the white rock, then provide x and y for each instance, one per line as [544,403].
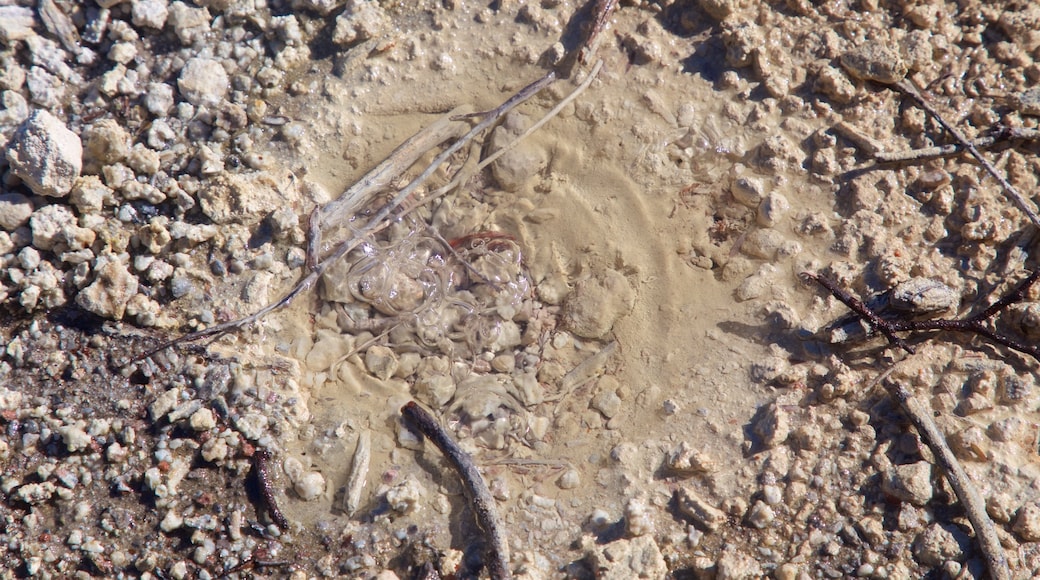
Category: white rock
[15,210]
[404,497]
[939,543]
[113,287]
[164,403]
[203,81]
[202,420]
[34,493]
[569,480]
[517,166]
[16,110]
[16,23]
[360,21]
[734,564]
[596,304]
[700,511]
[46,155]
[104,143]
[638,519]
[75,437]
[150,13]
[638,557]
[381,361]
[251,425]
[171,521]
[1027,522]
[760,515]
[49,224]
[323,7]
[10,400]
[774,426]
[310,486]
[188,22]
[45,89]
[89,195]
[910,483]
[606,402]
[772,209]
[159,99]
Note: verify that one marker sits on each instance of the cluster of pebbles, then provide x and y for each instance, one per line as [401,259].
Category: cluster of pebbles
[140,181]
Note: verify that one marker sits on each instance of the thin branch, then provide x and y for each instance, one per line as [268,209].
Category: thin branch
[1023,204]
[483,503]
[967,495]
[1002,135]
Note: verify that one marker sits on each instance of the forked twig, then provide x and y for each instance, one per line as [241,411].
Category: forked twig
[1023,204]
[974,507]
[976,324]
[482,501]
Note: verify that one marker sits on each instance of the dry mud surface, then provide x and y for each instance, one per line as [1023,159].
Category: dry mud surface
[618,333]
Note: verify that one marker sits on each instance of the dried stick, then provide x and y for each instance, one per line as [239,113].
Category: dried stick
[856,305]
[479,495]
[974,507]
[588,48]
[460,176]
[358,473]
[1026,206]
[972,325]
[340,210]
[1002,135]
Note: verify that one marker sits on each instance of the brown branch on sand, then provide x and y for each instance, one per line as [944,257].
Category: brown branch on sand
[978,324]
[920,416]
[483,503]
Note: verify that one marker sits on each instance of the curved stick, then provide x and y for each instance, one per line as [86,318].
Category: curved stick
[479,495]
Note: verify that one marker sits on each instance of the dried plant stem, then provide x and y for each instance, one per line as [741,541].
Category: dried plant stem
[483,503]
[967,495]
[1002,135]
[1023,204]
[358,473]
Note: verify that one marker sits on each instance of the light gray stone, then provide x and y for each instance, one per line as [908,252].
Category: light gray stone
[46,155]
[910,483]
[150,13]
[203,81]
[15,210]
[113,288]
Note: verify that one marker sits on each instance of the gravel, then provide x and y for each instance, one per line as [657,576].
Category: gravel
[161,159]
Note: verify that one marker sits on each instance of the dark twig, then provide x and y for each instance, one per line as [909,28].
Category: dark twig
[976,324]
[479,494]
[603,10]
[967,495]
[1026,206]
[856,305]
[263,481]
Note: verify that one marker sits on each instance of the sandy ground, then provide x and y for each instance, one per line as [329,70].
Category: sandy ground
[646,383]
